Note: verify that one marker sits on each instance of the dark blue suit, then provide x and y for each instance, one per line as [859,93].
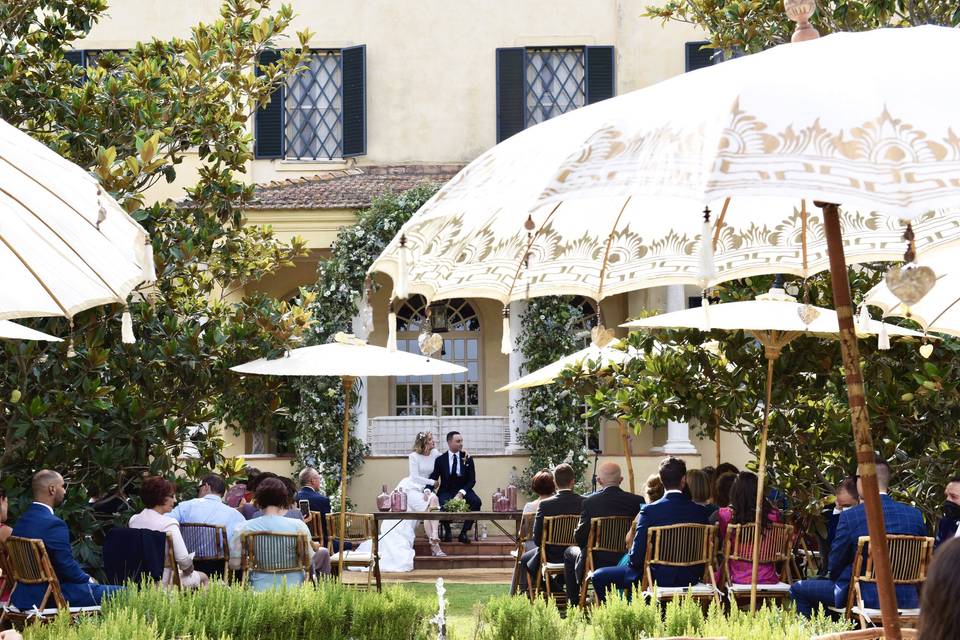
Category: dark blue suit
[38,522]
[946,529]
[452,481]
[318,502]
[898,518]
[673,508]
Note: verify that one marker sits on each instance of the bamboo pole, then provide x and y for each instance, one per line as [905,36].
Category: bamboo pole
[761,476]
[627,454]
[862,436]
[716,436]
[347,387]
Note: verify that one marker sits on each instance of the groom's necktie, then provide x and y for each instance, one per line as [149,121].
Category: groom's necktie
[456,464]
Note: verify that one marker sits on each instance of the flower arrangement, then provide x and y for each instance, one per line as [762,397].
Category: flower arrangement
[456,505]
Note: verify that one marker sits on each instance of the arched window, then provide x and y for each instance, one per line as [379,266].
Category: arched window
[447,395]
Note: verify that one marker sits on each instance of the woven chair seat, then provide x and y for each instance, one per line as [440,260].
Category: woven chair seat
[352,556]
[49,612]
[876,614]
[780,587]
[699,589]
[553,566]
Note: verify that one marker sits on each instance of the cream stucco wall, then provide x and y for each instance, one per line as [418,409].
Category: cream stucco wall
[431,86]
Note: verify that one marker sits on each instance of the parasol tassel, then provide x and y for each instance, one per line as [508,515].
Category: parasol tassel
[864,319]
[126,327]
[708,270]
[705,303]
[149,273]
[883,340]
[506,342]
[392,330]
[401,286]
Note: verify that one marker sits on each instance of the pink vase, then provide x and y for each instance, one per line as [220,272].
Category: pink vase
[512,496]
[504,503]
[396,500]
[495,500]
[383,500]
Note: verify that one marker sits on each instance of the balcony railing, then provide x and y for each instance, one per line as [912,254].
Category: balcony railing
[394,435]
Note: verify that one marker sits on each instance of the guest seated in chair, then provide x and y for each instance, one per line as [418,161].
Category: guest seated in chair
[158,499]
[899,518]
[565,502]
[611,500]
[39,521]
[273,500]
[950,522]
[673,508]
[742,510]
[209,507]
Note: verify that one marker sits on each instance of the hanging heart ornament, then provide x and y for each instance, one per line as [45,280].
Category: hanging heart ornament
[430,343]
[926,350]
[910,282]
[808,313]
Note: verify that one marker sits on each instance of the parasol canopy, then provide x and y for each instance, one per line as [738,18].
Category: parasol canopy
[609,198]
[939,309]
[607,355]
[65,245]
[14,331]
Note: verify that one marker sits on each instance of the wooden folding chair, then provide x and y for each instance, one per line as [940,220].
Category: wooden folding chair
[30,564]
[874,633]
[557,532]
[5,577]
[273,552]
[209,545]
[170,562]
[315,524]
[776,544]
[606,534]
[909,559]
[360,527]
[524,534]
[681,545]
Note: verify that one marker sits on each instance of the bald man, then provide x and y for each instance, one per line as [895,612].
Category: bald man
[39,521]
[610,500]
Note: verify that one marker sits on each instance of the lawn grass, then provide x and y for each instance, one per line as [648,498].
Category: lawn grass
[461,599]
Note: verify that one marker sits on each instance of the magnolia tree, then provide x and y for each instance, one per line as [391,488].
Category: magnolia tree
[717,378]
[116,411]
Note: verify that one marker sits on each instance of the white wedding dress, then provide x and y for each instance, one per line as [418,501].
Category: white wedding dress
[397,536]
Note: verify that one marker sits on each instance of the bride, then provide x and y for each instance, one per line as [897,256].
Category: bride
[397,536]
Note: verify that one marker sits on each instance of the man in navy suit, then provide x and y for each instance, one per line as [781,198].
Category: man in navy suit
[38,521]
[457,476]
[673,508]
[310,482]
[950,522]
[898,518]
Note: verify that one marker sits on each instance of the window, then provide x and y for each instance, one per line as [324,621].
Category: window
[450,394]
[554,83]
[314,108]
[698,55]
[538,83]
[320,112]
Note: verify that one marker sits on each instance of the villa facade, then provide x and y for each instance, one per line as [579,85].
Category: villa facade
[399,92]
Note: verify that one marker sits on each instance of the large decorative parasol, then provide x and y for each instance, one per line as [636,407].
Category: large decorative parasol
[65,246]
[775,320]
[607,198]
[939,309]
[603,350]
[14,331]
[347,358]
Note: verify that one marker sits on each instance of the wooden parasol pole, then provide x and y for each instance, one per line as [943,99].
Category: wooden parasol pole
[773,342]
[863,439]
[625,438]
[347,387]
[716,436]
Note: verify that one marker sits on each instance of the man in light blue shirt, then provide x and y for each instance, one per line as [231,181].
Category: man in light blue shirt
[209,507]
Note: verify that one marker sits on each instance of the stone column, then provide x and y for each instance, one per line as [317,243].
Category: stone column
[515,369]
[678,433]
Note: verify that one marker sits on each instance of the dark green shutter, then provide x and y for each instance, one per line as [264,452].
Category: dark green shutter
[354,67]
[268,122]
[599,74]
[510,91]
[699,55]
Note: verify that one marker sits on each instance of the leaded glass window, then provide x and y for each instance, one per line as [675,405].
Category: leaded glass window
[447,395]
[554,81]
[313,126]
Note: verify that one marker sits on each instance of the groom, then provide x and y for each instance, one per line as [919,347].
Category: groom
[457,476]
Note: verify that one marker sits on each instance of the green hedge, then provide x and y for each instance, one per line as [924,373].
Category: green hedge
[514,618]
[222,612]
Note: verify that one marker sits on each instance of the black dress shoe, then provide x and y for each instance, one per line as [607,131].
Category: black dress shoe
[464,537]
[445,534]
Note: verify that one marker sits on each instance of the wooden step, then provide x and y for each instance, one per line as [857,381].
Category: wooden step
[462,562]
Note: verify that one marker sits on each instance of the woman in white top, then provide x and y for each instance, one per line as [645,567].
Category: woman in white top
[158,498]
[397,536]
